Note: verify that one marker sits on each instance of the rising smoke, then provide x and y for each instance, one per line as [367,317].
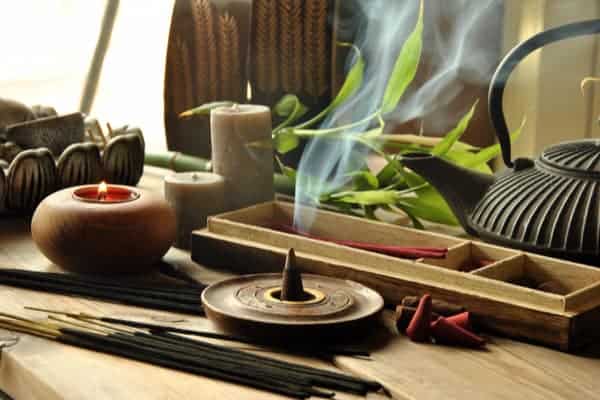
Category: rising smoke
[455,52]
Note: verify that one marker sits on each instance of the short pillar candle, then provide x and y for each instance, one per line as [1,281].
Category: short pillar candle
[194,196]
[242,153]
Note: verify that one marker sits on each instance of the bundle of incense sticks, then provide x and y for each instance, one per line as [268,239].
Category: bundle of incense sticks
[309,348]
[191,355]
[184,298]
[395,251]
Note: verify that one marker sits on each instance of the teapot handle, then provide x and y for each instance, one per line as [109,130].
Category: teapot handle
[510,61]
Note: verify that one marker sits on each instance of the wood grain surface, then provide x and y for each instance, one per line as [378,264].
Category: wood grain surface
[38,369]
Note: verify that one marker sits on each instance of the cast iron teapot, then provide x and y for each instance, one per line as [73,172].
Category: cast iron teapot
[550,205]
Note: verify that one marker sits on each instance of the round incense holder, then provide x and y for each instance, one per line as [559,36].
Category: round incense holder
[111,229]
[329,308]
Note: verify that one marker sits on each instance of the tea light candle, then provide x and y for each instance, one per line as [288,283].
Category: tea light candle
[242,153]
[194,196]
[104,228]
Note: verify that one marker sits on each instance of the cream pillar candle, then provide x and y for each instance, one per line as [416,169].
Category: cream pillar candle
[194,196]
[242,153]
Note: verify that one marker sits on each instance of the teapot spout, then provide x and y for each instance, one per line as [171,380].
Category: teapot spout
[460,187]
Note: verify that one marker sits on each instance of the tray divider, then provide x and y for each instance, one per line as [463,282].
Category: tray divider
[584,298]
[455,258]
[503,270]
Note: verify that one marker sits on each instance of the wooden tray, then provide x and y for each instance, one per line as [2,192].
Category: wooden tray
[243,240]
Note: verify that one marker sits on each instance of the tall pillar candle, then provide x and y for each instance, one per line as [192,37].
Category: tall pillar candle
[194,196]
[242,153]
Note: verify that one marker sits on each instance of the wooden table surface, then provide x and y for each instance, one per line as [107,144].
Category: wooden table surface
[34,368]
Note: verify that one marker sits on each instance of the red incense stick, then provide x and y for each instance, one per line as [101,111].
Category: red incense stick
[395,251]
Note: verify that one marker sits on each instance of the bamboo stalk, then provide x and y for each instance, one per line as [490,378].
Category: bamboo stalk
[180,162]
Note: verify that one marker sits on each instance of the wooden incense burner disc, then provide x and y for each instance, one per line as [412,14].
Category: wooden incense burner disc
[332,308]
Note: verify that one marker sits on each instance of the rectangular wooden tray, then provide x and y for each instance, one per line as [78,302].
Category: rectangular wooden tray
[243,240]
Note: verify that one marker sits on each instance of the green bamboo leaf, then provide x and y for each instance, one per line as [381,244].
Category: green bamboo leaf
[468,160]
[353,80]
[285,170]
[291,108]
[285,140]
[351,84]
[413,218]
[364,180]
[370,212]
[205,109]
[405,67]
[430,206]
[489,153]
[286,105]
[452,137]
[367,197]
[388,175]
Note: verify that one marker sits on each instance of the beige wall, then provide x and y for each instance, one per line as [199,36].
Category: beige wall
[545,87]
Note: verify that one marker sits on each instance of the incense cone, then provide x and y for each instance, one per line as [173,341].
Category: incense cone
[462,320]
[446,332]
[404,315]
[291,284]
[419,328]
[438,306]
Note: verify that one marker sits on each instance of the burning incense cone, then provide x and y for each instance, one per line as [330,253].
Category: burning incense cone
[445,332]
[463,320]
[438,306]
[419,328]
[404,315]
[291,284]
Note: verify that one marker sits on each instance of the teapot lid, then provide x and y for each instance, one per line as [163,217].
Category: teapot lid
[579,157]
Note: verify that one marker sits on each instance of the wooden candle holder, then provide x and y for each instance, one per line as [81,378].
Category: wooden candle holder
[119,235]
[506,291]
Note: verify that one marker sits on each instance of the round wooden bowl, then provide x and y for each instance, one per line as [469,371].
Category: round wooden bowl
[122,235]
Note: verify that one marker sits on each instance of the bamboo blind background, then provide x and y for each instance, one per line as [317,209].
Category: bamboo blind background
[217,49]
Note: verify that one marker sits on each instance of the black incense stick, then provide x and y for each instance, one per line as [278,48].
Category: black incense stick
[194,356]
[189,302]
[157,329]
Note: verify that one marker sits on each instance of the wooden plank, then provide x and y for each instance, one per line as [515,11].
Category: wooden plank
[505,370]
